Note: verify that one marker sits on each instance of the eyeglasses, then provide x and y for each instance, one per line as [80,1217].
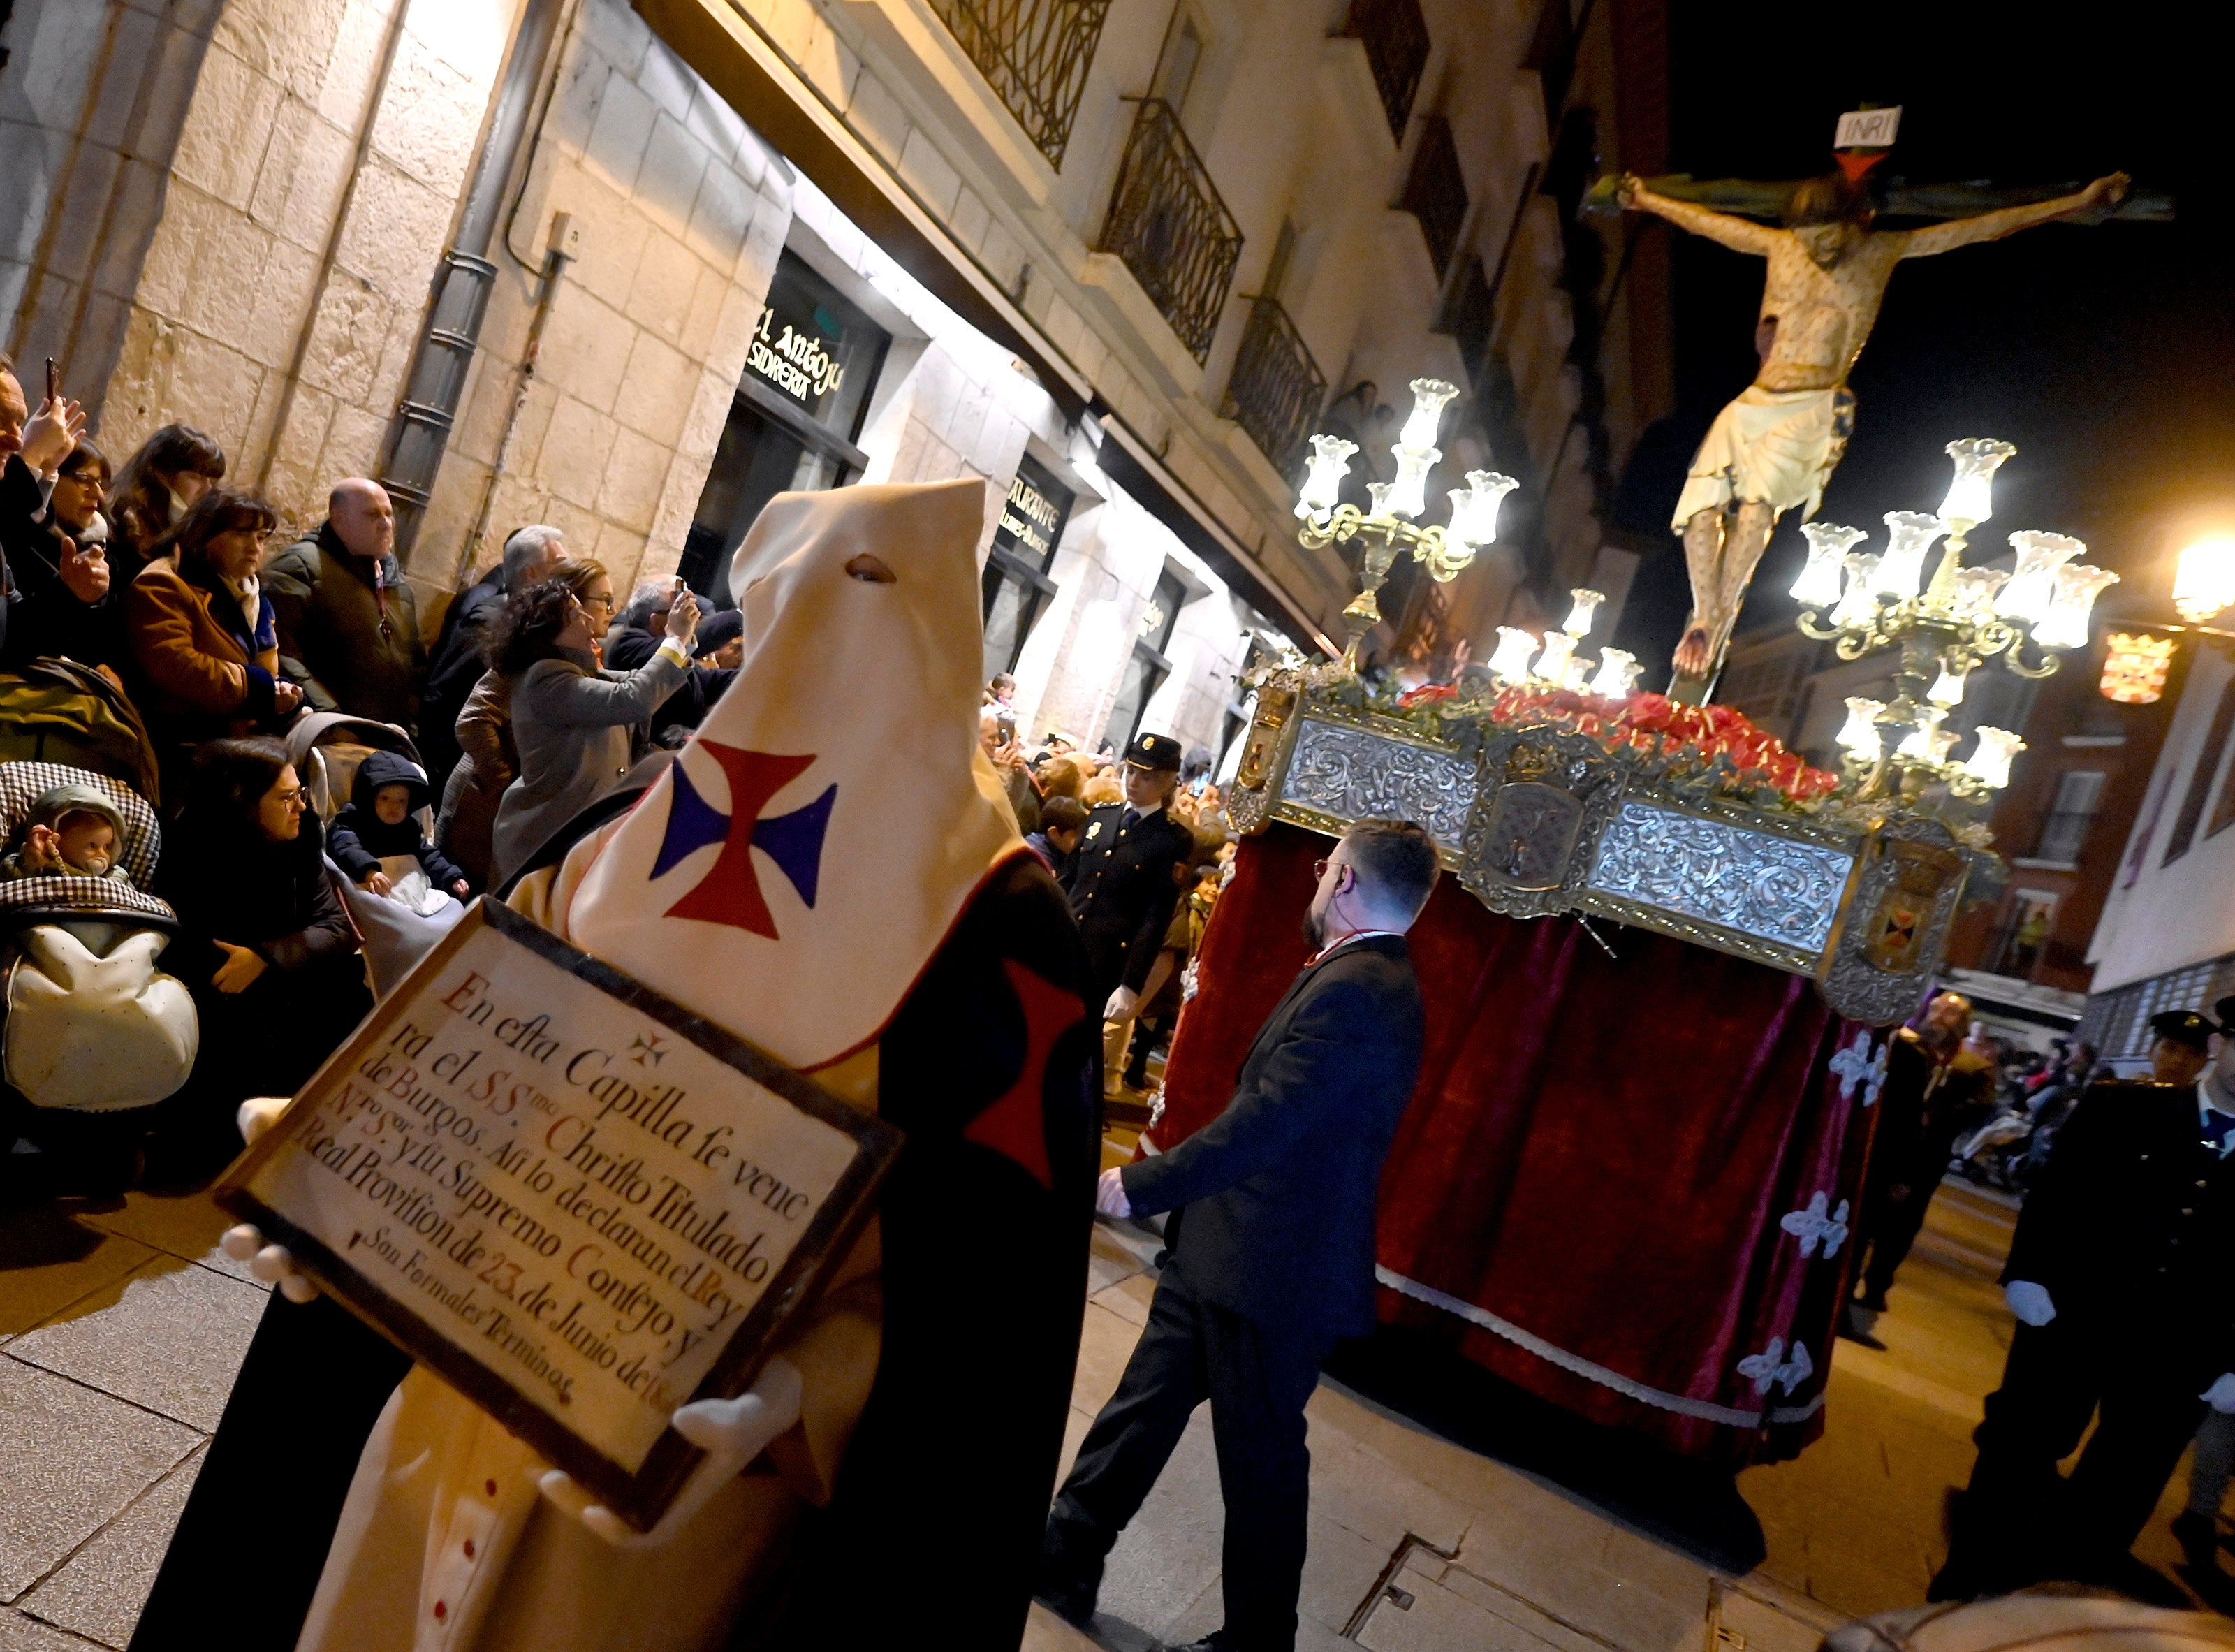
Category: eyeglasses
[605,602]
[287,799]
[1320,868]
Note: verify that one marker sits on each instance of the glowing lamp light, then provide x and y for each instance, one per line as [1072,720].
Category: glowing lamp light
[1910,534]
[1429,395]
[1990,761]
[1828,544]
[2033,582]
[1859,739]
[1858,607]
[1618,674]
[1969,497]
[1323,488]
[2072,601]
[1509,661]
[1559,649]
[2204,580]
[1474,510]
[1408,494]
[1377,498]
[1924,736]
[1580,616]
[1949,688]
[1976,588]
[1579,673]
[2134,669]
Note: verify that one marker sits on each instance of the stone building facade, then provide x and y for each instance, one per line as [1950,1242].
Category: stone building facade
[1123,254]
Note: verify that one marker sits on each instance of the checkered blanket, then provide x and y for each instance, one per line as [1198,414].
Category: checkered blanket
[22,784]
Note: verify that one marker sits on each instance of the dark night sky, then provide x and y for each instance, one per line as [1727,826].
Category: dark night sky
[2105,354]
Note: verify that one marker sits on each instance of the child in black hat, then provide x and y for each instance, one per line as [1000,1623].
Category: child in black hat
[380,822]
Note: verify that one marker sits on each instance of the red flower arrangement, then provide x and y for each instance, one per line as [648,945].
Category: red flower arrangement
[1652,722]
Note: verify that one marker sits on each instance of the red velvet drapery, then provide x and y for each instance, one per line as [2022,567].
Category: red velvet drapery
[1589,1193]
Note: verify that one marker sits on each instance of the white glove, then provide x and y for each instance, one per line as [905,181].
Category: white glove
[2221,1396]
[1122,1005]
[730,1432]
[271,1263]
[2030,1303]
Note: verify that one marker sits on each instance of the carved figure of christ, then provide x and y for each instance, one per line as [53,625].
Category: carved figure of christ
[1776,446]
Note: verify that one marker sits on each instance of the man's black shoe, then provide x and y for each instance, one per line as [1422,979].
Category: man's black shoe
[1070,1599]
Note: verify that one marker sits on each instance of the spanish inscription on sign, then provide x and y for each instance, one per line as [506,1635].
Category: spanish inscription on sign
[1034,515]
[579,1202]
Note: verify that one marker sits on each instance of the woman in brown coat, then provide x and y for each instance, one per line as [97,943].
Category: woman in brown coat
[205,651]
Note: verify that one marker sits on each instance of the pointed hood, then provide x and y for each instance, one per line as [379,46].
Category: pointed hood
[793,873]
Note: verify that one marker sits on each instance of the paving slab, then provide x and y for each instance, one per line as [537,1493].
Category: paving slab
[186,1225]
[71,1458]
[98,1592]
[49,1262]
[20,1633]
[170,1337]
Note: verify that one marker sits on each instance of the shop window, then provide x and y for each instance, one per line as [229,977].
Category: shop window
[1147,666]
[1016,585]
[808,370]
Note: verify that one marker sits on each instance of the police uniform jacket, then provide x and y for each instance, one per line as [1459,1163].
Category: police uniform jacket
[1122,892]
[2133,1219]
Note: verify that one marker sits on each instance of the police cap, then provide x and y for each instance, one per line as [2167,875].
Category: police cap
[2185,1027]
[1158,752]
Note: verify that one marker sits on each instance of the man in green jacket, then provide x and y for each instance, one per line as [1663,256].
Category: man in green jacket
[348,626]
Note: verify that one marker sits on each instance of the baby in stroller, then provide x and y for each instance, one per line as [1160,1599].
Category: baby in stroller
[70,830]
[380,823]
[92,1034]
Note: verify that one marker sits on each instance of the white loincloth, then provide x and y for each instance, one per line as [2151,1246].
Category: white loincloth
[1774,446]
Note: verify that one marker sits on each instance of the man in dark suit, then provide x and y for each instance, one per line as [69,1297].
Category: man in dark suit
[1122,888]
[2118,1276]
[1272,1259]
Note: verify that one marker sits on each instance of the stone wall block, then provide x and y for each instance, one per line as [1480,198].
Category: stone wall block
[877,115]
[429,117]
[287,41]
[667,281]
[674,167]
[575,448]
[586,349]
[354,59]
[275,178]
[226,270]
[615,234]
[970,220]
[633,473]
[720,127]
[395,232]
[468,36]
[296,449]
[92,182]
[227,127]
[616,33]
[720,217]
[138,40]
[928,173]
[831,66]
[321,172]
[709,290]
[53,67]
[352,448]
[167,274]
[656,389]
[625,117]
[348,329]
[668,81]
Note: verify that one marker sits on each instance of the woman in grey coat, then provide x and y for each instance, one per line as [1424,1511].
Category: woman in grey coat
[577,729]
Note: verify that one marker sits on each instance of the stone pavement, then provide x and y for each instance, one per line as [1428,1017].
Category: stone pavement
[119,1333]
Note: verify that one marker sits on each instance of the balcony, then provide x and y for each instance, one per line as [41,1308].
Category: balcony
[1034,54]
[1435,192]
[1395,36]
[1276,389]
[1169,227]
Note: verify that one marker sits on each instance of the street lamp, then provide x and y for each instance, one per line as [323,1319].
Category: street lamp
[1944,630]
[1386,528]
[2135,667]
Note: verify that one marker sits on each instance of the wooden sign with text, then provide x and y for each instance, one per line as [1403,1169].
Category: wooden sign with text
[579,1202]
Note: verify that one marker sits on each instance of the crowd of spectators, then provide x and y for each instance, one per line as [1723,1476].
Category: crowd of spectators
[162,631]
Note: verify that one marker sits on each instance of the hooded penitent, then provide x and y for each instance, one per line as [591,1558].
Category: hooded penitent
[791,874]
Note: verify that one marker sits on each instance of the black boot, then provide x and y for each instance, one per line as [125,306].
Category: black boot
[1064,1582]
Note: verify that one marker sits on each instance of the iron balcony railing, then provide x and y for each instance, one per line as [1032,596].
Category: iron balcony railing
[1276,387]
[1436,192]
[1034,54]
[1395,36]
[1169,224]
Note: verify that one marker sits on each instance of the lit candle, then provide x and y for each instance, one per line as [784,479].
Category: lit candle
[1858,607]
[1429,395]
[1377,498]
[1580,616]
[1919,744]
[1579,672]
[1474,510]
[1559,649]
[1949,688]
[1828,544]
[1976,588]
[1408,494]
[1618,673]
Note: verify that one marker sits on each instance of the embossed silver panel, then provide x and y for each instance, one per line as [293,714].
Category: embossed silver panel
[1350,773]
[1772,888]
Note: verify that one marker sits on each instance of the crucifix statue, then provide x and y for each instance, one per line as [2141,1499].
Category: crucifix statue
[1775,447]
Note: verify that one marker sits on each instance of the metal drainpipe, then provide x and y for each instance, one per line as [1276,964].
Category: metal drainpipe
[436,379]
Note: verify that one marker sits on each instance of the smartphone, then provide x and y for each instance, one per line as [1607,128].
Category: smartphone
[53,381]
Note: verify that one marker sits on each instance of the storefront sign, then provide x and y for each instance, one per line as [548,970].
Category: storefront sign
[1034,515]
[811,344]
[580,1203]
